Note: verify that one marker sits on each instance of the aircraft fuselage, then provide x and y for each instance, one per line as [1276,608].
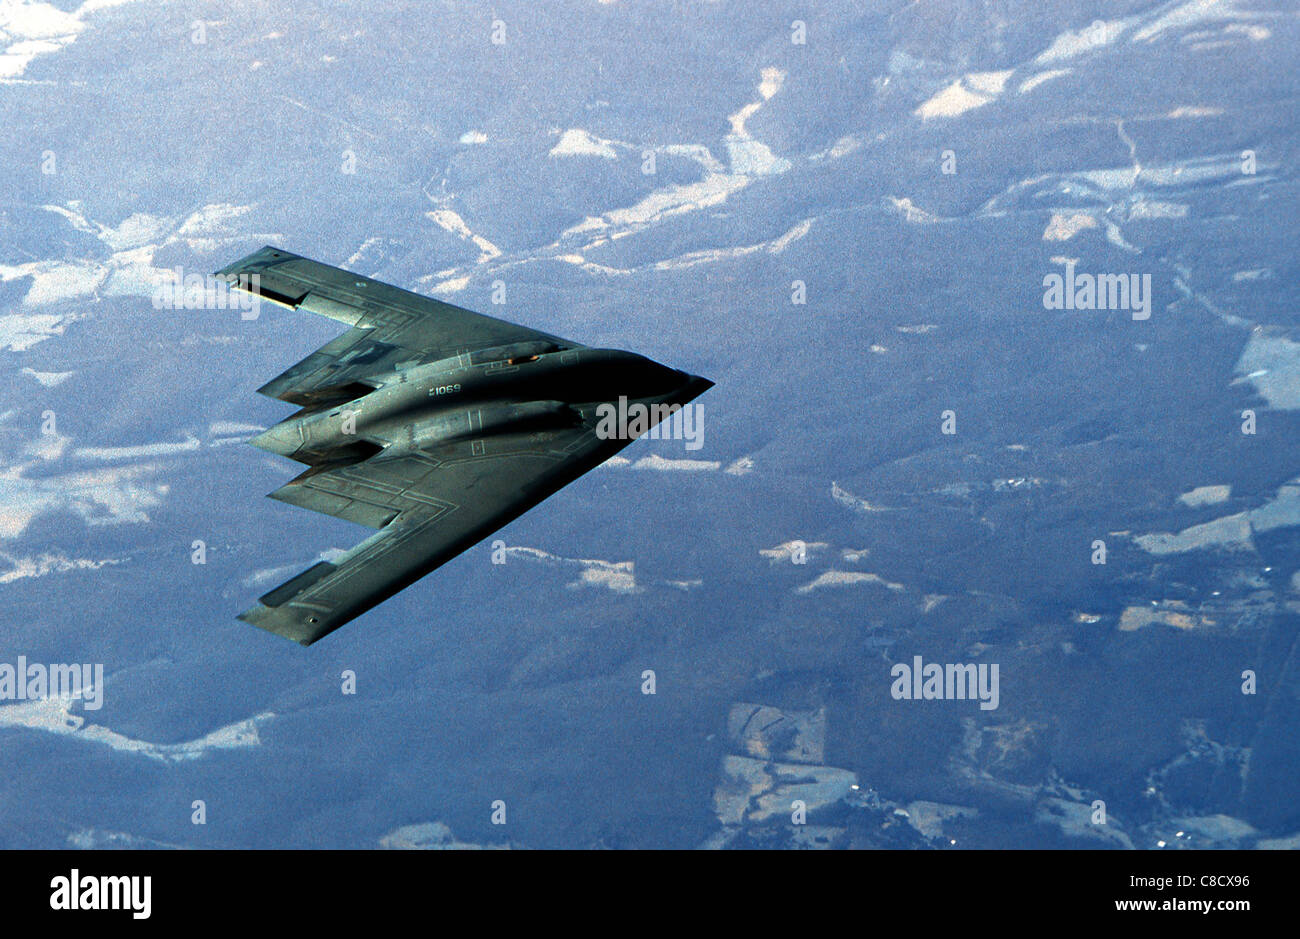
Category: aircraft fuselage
[508,390]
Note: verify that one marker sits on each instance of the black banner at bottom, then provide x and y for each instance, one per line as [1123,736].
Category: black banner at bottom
[333,888]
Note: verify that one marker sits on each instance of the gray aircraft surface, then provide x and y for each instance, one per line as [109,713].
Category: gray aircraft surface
[431,423]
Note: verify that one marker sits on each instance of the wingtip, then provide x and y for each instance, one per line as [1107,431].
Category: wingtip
[265,618]
[263,256]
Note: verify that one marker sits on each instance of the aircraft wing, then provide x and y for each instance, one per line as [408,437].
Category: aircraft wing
[432,505]
[428,504]
[391,328]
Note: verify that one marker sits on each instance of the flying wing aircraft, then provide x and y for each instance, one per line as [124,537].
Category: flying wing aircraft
[431,423]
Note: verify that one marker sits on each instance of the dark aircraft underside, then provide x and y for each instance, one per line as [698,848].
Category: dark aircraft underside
[433,424]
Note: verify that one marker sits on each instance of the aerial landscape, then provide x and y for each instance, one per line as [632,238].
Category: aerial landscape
[986,536]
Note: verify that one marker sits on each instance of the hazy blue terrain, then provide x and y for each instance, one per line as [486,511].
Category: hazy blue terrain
[910,171]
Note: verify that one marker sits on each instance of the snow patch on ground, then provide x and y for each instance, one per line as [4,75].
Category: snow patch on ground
[1063,227]
[43,565]
[48,379]
[577,142]
[55,716]
[835,578]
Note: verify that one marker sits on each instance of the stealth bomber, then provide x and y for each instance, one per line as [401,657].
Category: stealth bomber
[431,423]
